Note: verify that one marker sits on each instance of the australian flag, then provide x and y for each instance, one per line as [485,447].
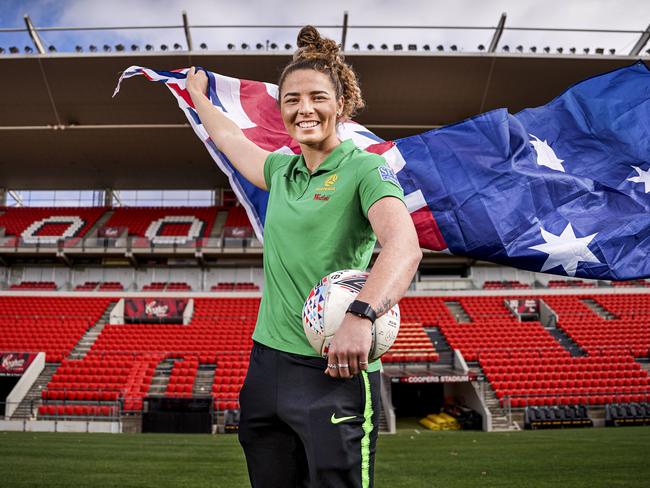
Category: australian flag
[563,188]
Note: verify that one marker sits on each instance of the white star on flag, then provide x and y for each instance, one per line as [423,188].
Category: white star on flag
[545,154]
[644,177]
[566,250]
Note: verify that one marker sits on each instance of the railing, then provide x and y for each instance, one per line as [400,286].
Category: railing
[345,29]
[128,245]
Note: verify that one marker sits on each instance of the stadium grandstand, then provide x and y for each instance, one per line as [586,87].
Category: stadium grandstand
[130,277]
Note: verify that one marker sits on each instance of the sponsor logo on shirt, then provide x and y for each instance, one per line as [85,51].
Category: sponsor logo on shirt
[329,183]
[386,174]
[318,196]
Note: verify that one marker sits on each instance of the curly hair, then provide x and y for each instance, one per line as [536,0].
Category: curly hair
[323,55]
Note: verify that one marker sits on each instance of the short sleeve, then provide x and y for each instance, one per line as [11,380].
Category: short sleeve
[275,161]
[377,180]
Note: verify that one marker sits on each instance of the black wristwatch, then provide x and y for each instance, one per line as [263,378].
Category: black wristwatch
[362,309]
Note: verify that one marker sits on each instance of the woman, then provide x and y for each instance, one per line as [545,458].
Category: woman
[300,427]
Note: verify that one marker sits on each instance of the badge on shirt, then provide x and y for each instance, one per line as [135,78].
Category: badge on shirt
[386,174]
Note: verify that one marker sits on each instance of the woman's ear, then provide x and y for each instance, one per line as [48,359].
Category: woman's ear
[339,106]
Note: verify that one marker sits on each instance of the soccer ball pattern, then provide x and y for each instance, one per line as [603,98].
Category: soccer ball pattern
[325,308]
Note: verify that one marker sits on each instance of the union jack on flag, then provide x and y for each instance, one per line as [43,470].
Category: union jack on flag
[563,188]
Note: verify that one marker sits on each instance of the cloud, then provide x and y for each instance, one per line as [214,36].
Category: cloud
[583,14]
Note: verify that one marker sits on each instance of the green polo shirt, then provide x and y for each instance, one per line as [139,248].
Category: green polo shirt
[316,223]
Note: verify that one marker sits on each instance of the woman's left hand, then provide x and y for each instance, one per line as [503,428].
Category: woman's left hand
[350,347]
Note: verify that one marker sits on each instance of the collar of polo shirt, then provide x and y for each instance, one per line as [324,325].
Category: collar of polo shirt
[331,162]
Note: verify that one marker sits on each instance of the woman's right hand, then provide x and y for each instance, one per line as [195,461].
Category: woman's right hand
[197,81]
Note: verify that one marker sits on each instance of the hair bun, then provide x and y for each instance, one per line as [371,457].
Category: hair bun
[309,37]
[311,45]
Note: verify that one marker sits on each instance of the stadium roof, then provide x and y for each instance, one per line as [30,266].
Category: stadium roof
[60,128]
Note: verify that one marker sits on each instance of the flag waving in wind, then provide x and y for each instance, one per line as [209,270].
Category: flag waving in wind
[563,188]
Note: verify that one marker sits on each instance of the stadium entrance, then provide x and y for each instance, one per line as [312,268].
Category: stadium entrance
[177,415]
[426,394]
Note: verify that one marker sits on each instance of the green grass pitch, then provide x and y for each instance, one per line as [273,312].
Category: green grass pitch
[610,457]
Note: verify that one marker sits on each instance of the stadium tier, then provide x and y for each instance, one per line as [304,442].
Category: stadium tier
[34,225]
[29,223]
[34,285]
[164,221]
[570,284]
[167,286]
[49,324]
[506,284]
[522,361]
[100,286]
[232,286]
[412,345]
[525,363]
[237,218]
[624,329]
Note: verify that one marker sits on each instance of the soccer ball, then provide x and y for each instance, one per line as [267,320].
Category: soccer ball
[325,308]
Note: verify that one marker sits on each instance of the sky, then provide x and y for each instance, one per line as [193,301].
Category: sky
[572,14]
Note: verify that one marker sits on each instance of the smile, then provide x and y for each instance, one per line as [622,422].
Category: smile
[307,124]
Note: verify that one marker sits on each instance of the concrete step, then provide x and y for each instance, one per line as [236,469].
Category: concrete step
[88,339]
[161,375]
[30,403]
[598,309]
[458,312]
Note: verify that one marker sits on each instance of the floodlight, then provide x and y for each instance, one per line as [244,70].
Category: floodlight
[612,51]
[520,48]
[52,49]
[149,47]
[135,47]
[13,50]
[412,47]
[245,46]
[586,50]
[440,47]
[560,50]
[481,47]
[287,46]
[28,50]
[259,45]
[79,49]
[231,46]
[107,48]
[273,45]
[453,47]
[92,48]
[600,50]
[572,50]
[384,47]
[203,45]
[119,47]
[426,47]
[177,46]
[533,49]
[163,47]
[547,49]
[397,47]
[506,48]
[370,47]
[355,46]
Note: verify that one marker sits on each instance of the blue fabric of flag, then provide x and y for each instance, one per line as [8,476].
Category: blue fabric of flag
[559,188]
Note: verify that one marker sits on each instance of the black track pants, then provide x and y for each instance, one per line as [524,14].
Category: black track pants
[302,428]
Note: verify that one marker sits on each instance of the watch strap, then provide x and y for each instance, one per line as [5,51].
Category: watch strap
[362,309]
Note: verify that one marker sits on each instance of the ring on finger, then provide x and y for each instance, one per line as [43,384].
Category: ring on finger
[332,366]
[363,362]
[343,365]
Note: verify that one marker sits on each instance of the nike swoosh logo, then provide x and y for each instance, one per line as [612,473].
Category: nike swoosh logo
[335,420]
